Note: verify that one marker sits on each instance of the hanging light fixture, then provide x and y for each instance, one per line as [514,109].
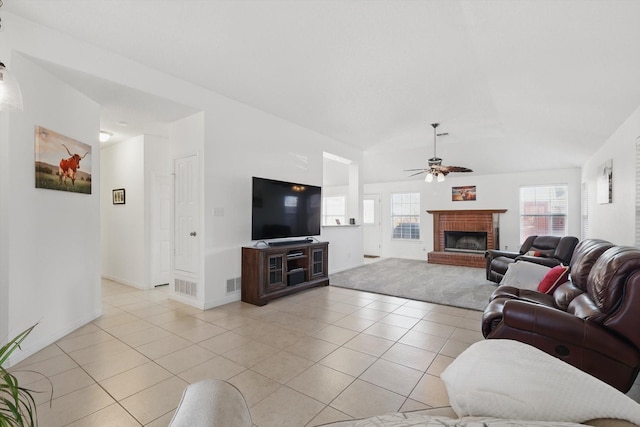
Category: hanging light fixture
[10,95]
[435,167]
[435,162]
[105,136]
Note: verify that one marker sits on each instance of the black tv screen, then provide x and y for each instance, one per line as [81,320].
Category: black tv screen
[284,209]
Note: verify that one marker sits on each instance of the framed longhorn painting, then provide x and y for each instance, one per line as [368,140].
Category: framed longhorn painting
[62,163]
[463,194]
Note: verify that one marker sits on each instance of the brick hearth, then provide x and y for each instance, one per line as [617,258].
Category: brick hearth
[483,220]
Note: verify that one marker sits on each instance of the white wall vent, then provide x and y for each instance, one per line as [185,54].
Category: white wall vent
[234,285]
[186,287]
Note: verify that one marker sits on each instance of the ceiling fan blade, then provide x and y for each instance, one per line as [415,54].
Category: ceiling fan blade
[458,169]
[411,170]
[417,173]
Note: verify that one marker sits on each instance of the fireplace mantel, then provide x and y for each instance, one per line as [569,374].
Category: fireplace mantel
[458,211]
[483,220]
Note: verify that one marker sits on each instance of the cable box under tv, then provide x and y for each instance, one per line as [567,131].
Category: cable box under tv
[295,254]
[296,276]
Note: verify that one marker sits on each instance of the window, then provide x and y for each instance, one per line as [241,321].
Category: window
[543,211]
[585,210]
[368,211]
[334,210]
[405,215]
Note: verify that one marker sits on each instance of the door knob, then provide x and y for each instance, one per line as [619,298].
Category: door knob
[193,233]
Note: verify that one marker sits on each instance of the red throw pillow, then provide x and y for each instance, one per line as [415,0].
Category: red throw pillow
[554,278]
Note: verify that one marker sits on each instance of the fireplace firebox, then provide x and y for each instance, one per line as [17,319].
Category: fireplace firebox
[465,241]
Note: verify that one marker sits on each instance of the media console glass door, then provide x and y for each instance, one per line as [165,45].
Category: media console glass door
[317,262]
[275,272]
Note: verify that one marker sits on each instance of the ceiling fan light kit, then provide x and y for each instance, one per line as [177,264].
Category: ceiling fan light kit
[436,169]
[10,94]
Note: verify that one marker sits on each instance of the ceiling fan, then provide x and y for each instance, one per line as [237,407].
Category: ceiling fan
[436,169]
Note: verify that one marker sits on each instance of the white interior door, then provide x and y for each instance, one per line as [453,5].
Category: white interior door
[186,214]
[372,224]
[160,230]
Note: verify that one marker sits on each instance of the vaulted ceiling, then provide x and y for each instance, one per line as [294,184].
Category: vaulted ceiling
[518,85]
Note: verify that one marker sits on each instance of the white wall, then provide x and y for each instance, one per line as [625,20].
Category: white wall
[615,221]
[51,239]
[242,142]
[5,189]
[123,237]
[345,247]
[493,192]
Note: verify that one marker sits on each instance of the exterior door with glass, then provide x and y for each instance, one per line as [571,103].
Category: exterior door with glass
[372,225]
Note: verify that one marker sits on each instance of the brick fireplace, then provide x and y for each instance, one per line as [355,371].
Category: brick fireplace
[478,226]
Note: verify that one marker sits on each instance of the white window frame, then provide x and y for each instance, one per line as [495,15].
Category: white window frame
[369,212]
[331,212]
[548,201]
[405,209]
[584,209]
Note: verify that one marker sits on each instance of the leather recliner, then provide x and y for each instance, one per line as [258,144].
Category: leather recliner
[590,322]
[553,250]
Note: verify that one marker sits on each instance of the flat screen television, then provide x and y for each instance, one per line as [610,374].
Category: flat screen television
[284,209]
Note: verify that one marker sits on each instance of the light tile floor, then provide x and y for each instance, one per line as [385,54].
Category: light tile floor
[322,355]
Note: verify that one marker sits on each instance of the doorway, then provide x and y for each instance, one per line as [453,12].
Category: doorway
[372,224]
[186,214]
[160,218]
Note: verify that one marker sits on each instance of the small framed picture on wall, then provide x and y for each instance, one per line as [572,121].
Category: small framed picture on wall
[605,182]
[118,196]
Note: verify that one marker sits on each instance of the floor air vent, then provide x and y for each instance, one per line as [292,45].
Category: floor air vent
[233,285]
[186,287]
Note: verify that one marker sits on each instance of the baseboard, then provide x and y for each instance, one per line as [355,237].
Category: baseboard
[30,347]
[349,267]
[231,297]
[124,281]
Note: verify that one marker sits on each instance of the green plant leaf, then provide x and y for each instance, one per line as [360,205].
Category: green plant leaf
[14,344]
[17,405]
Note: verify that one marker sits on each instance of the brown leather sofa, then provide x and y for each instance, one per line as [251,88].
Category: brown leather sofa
[591,322]
[553,250]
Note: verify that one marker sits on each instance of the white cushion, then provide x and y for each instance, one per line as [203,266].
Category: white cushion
[411,420]
[509,379]
[524,275]
[212,402]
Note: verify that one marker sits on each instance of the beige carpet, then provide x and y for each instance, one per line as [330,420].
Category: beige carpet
[464,287]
